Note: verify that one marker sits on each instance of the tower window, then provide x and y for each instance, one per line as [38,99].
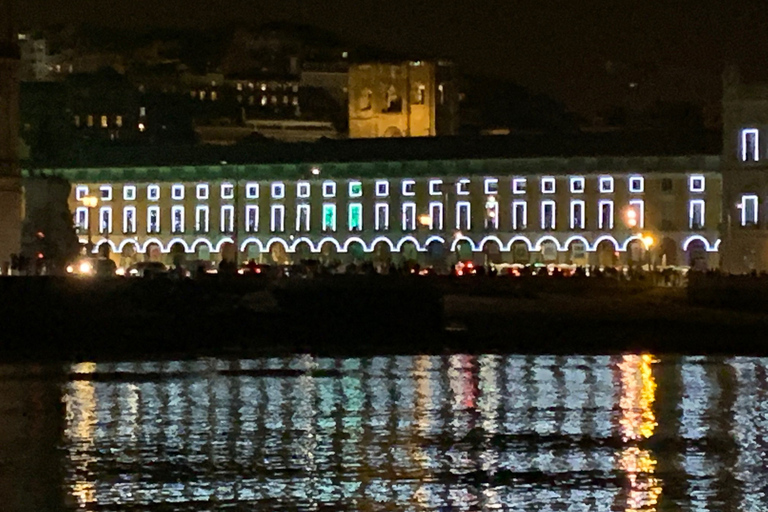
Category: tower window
[750,145]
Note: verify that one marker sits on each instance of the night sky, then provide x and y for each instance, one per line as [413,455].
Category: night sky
[585,53]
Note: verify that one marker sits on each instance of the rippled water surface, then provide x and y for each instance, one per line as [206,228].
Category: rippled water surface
[443,433]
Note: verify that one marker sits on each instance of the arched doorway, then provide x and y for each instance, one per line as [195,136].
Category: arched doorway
[549,252]
[382,257]
[356,252]
[577,253]
[636,254]
[303,252]
[129,255]
[278,254]
[252,252]
[606,254]
[491,252]
[178,255]
[393,131]
[328,254]
[520,253]
[436,255]
[228,252]
[697,256]
[667,253]
[154,252]
[409,253]
[104,250]
[464,250]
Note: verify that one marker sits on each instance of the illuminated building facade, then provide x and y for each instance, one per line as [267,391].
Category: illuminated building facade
[404,99]
[578,210]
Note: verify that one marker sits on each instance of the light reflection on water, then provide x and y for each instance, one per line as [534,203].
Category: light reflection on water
[454,432]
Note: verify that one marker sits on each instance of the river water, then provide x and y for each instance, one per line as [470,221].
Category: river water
[604,433]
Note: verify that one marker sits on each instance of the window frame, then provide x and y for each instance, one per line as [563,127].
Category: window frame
[153,188]
[329,185]
[553,224]
[202,213]
[692,181]
[202,191]
[174,188]
[174,209]
[379,184]
[126,195]
[636,189]
[303,190]
[582,220]
[277,190]
[577,180]
[405,185]
[515,186]
[606,184]
[251,190]
[129,229]
[548,180]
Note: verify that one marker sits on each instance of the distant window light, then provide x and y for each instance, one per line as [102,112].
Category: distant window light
[177,219]
[105,191]
[355,189]
[548,217]
[577,214]
[329,189]
[119,121]
[142,111]
[177,192]
[202,216]
[214,95]
[264,100]
[344,55]
[278,190]
[605,215]
[227,191]
[435,187]
[129,220]
[421,95]
[239,86]
[408,188]
[381,222]
[577,185]
[263,87]
[462,187]
[519,215]
[441,91]
[382,188]
[153,192]
[129,192]
[548,185]
[105,220]
[227,220]
[80,192]
[153,219]
[302,218]
[202,95]
[518,185]
[409,216]
[696,183]
[251,190]
[277,218]
[77,121]
[104,122]
[491,186]
[251,218]
[636,184]
[463,215]
[639,206]
[201,191]
[89,121]
[81,217]
[606,184]
[436,216]
[329,217]
[750,145]
[355,221]
[696,217]
[302,189]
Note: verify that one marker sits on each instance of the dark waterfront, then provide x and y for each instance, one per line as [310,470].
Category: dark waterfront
[458,432]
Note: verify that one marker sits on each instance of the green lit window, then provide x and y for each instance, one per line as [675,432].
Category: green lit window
[355,217]
[329,217]
[355,189]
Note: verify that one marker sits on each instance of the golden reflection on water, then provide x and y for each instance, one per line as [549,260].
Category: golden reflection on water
[81,417]
[638,423]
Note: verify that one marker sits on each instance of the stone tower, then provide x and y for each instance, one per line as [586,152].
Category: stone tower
[402,99]
[10,175]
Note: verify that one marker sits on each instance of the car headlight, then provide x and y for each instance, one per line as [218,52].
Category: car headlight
[70,269]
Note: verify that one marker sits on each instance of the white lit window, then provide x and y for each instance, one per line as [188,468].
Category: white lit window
[463,218]
[177,192]
[355,189]
[696,183]
[329,189]
[548,219]
[129,192]
[355,217]
[638,206]
[491,213]
[409,216]
[636,184]
[278,190]
[329,217]
[105,191]
[696,214]
[302,218]
[129,220]
[227,191]
[177,219]
[153,219]
[251,218]
[382,188]
[227,220]
[577,214]
[749,210]
[605,217]
[435,187]
[277,218]
[750,145]
[81,217]
[251,190]
[302,189]
[519,215]
[381,222]
[105,220]
[518,186]
[548,185]
[409,188]
[577,185]
[606,184]
[462,187]
[153,192]
[436,216]
[491,186]
[202,217]
[202,191]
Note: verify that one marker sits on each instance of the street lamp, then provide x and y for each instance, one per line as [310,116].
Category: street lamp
[648,243]
[425,219]
[90,202]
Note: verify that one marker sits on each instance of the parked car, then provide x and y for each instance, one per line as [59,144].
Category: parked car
[147,269]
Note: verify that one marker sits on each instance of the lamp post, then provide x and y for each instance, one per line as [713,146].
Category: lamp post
[89,202]
[648,243]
